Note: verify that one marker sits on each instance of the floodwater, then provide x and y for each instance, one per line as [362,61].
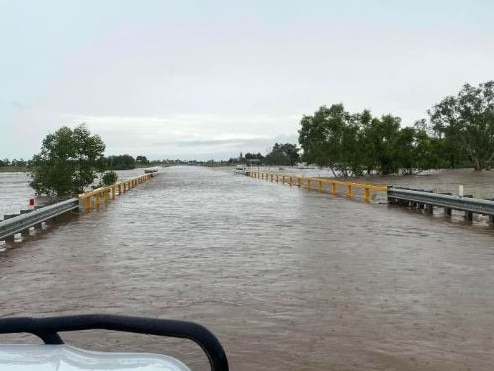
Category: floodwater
[288,279]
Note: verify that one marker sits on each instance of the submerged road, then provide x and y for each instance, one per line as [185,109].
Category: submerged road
[287,279]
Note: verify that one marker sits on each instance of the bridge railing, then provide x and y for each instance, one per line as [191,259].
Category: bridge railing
[93,198]
[322,184]
[428,200]
[23,222]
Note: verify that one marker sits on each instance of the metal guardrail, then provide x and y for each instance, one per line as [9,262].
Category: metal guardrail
[468,204]
[20,223]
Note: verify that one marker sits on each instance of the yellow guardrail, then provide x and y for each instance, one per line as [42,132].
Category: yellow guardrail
[321,184]
[111,191]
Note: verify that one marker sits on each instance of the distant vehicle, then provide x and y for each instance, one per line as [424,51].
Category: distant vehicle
[240,169]
[151,170]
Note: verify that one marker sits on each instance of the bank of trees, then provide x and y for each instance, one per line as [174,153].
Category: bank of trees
[459,130]
[286,154]
[466,122]
[358,144]
[14,163]
[281,154]
[121,162]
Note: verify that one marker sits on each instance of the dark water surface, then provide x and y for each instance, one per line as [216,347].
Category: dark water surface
[287,279]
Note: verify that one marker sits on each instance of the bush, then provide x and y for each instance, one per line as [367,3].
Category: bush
[109,178]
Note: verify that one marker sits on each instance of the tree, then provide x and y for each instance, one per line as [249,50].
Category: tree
[321,136]
[142,160]
[468,121]
[109,178]
[122,162]
[68,162]
[380,142]
[283,154]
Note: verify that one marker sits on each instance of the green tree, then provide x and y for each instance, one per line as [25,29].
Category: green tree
[121,162]
[283,154]
[68,162]
[142,160]
[467,120]
[321,136]
[109,178]
[380,140]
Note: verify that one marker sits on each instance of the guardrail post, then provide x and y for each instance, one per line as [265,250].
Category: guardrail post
[113,189]
[349,192]
[367,194]
[5,217]
[333,188]
[319,185]
[106,193]
[299,182]
[291,181]
[468,214]
[25,231]
[98,200]
[88,203]
[309,185]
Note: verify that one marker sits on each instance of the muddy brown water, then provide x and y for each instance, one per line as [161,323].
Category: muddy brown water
[287,279]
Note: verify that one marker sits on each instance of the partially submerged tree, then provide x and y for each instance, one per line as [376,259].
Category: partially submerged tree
[283,154]
[109,178]
[68,162]
[468,121]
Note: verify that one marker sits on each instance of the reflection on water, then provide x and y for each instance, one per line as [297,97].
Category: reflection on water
[287,279]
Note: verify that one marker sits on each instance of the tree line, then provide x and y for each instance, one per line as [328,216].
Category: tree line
[286,154]
[458,132]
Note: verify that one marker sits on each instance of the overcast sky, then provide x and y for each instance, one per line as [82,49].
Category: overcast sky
[210,79]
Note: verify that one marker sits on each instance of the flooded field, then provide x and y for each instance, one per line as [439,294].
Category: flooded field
[287,279]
